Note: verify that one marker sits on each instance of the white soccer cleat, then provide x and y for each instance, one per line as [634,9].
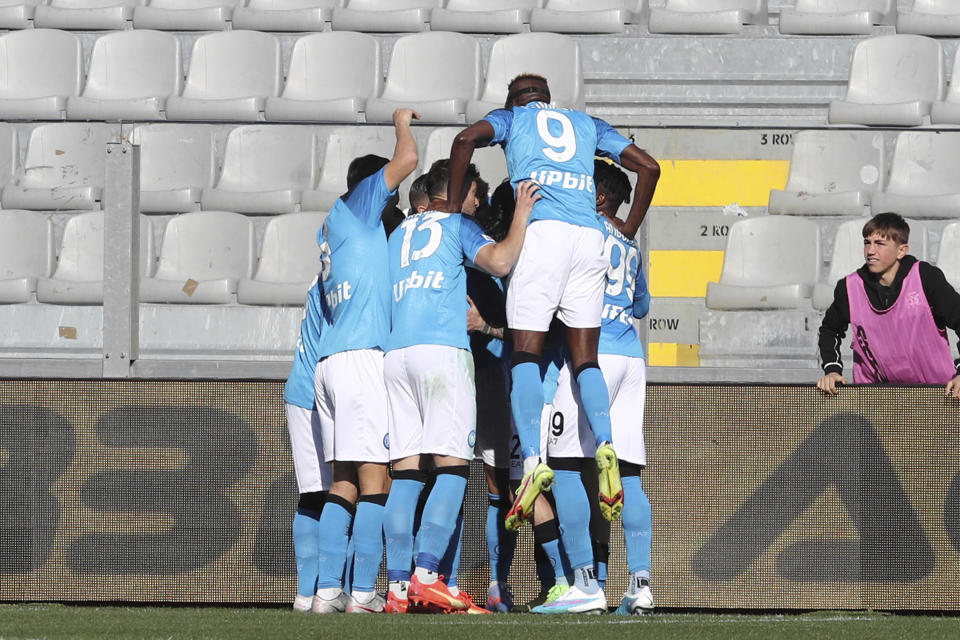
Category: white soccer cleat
[302,603]
[636,604]
[375,604]
[337,604]
[574,600]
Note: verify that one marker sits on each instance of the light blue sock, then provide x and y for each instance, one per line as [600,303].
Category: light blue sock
[439,519]
[526,403]
[595,400]
[348,568]
[552,549]
[573,511]
[332,548]
[398,517]
[500,542]
[601,571]
[306,537]
[637,524]
[368,541]
[450,563]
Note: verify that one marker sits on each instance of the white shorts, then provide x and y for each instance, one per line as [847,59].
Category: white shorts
[352,403]
[306,443]
[570,435]
[497,441]
[432,401]
[561,271]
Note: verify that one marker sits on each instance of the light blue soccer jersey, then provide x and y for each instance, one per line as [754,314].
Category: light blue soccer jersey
[355,273]
[626,295]
[299,389]
[555,148]
[428,252]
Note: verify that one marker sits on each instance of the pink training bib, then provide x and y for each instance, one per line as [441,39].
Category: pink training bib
[901,344]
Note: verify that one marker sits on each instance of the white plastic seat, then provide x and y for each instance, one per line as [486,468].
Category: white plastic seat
[831,173]
[490,161]
[18,14]
[947,111]
[948,259]
[390,16]
[893,81]
[265,169]
[923,176]
[930,18]
[289,261]
[85,14]
[551,55]
[317,90]
[185,15]
[231,75]
[203,256]
[63,168]
[78,278]
[130,76]
[707,16]
[39,68]
[177,161]
[441,95]
[343,145]
[9,154]
[833,17]
[771,262]
[284,15]
[483,16]
[26,254]
[588,16]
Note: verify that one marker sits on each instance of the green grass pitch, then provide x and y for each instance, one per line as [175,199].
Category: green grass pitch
[102,622]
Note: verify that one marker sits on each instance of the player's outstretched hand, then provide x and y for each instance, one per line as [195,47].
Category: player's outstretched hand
[828,383]
[526,196]
[475,321]
[402,117]
[953,387]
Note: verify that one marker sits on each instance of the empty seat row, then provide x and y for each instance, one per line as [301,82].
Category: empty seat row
[238,76]
[265,169]
[845,172]
[207,257]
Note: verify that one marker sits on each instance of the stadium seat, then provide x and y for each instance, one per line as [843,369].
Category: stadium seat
[185,15]
[177,161]
[947,111]
[440,95]
[231,75]
[319,91]
[707,16]
[390,16]
[343,145]
[85,15]
[893,81]
[835,17]
[588,16]
[39,68]
[78,278]
[948,258]
[131,74]
[490,161]
[551,55]
[203,256]
[289,261]
[284,15]
[831,173]
[17,14]
[930,18]
[265,169]
[923,176]
[9,153]
[63,168]
[771,262]
[26,254]
[483,16]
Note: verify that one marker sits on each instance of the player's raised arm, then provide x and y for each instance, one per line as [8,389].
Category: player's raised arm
[405,156]
[647,169]
[476,135]
[498,259]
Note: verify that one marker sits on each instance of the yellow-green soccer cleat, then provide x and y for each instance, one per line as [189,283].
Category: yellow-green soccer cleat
[532,485]
[611,489]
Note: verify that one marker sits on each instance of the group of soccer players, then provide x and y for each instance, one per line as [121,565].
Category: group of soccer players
[383,382]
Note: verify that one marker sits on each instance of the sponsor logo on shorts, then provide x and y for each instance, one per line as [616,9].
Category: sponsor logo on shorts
[386,441]
[472,438]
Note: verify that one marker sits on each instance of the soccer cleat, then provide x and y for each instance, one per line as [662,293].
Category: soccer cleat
[471,607]
[573,600]
[544,597]
[636,604]
[376,604]
[499,598]
[611,489]
[395,604]
[302,603]
[337,604]
[538,480]
[435,593]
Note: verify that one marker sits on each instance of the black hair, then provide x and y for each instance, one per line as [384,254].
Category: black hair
[496,218]
[362,167]
[612,181]
[889,225]
[439,177]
